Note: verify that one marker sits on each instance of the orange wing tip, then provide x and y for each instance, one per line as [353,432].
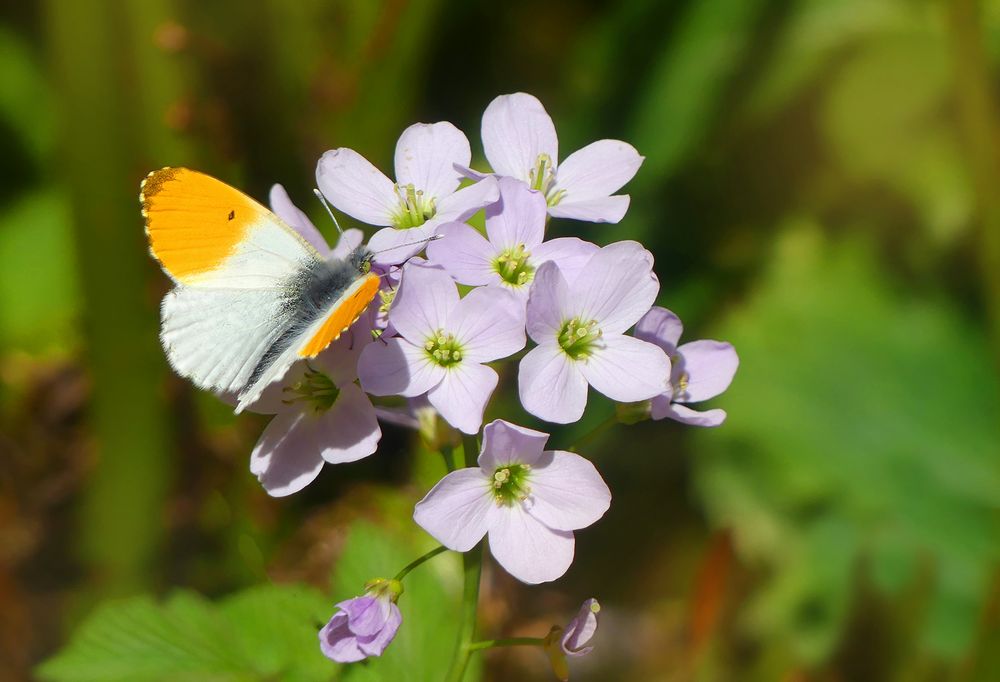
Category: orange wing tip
[340,319]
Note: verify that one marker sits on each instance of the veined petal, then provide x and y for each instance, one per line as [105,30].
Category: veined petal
[423,303]
[397,367]
[580,630]
[567,493]
[518,218]
[662,327]
[505,443]
[489,323]
[619,287]
[527,549]
[283,207]
[516,130]
[366,615]
[375,644]
[597,170]
[285,459]
[349,431]
[350,182]
[426,154]
[459,510]
[602,210]
[626,369]
[462,395]
[569,253]
[392,246]
[466,201]
[549,304]
[686,415]
[350,240]
[551,385]
[710,367]
[464,254]
[338,642]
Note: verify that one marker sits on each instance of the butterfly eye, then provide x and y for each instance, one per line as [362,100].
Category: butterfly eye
[366,265]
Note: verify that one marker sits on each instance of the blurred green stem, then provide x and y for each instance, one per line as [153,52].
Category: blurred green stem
[603,426]
[979,116]
[510,641]
[419,560]
[448,454]
[472,566]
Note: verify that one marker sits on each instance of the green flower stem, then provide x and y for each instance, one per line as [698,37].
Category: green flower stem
[448,453]
[470,450]
[510,641]
[472,566]
[606,424]
[419,560]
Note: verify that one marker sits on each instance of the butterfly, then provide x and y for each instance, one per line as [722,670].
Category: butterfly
[251,295]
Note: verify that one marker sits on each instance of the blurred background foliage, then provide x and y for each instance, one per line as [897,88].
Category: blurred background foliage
[821,187]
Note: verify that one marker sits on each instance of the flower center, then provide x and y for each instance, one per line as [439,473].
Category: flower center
[387,296]
[414,207]
[510,484]
[543,178]
[680,379]
[315,389]
[577,338]
[512,266]
[444,349]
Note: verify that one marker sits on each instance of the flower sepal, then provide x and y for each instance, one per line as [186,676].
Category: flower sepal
[633,413]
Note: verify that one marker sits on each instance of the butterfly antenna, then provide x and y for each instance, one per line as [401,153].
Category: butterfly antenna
[326,205]
[432,238]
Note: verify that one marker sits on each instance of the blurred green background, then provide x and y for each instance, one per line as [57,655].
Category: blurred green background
[821,188]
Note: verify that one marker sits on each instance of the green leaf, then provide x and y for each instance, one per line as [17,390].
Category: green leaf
[862,431]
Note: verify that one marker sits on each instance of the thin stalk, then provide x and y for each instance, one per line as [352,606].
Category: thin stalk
[472,565]
[509,641]
[606,424]
[419,560]
[470,450]
[448,454]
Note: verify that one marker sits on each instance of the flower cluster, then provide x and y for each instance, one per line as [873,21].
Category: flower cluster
[476,298]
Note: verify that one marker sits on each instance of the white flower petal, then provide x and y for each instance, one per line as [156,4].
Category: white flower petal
[603,210]
[349,240]
[425,157]
[285,459]
[710,366]
[350,182]
[504,443]
[517,218]
[466,201]
[462,395]
[660,326]
[569,253]
[567,493]
[489,323]
[549,303]
[459,510]
[397,367]
[626,369]
[597,170]
[464,254]
[423,302]
[283,207]
[392,246]
[686,415]
[349,430]
[527,549]
[617,288]
[516,130]
[551,385]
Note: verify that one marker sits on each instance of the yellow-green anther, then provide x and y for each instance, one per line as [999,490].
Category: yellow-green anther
[443,349]
[414,208]
[577,338]
[315,389]
[511,484]
[513,267]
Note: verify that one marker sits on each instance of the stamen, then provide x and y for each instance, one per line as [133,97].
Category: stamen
[513,267]
[444,349]
[578,338]
[511,484]
[315,389]
[414,208]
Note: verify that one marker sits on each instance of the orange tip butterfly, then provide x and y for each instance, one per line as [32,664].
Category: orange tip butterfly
[251,295]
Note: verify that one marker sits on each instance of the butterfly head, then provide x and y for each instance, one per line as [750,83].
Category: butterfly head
[361,258]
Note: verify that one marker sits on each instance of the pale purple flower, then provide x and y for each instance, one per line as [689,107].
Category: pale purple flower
[574,639]
[424,195]
[442,344]
[580,326]
[512,249]
[701,369]
[320,415]
[365,625]
[520,141]
[526,499]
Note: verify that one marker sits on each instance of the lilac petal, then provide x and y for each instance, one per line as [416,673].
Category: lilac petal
[285,459]
[397,367]
[392,246]
[548,303]
[710,366]
[567,492]
[464,254]
[516,130]
[350,182]
[338,643]
[283,207]
[686,415]
[597,170]
[398,416]
[517,218]
[551,385]
[462,395]
[505,443]
[375,644]
[340,359]
[662,327]
[627,370]
[424,303]
[527,549]
[489,323]
[349,240]
[581,629]
[459,510]
[470,174]
[349,431]
[425,155]
[366,615]
[619,287]
[569,253]
[466,201]
[603,210]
